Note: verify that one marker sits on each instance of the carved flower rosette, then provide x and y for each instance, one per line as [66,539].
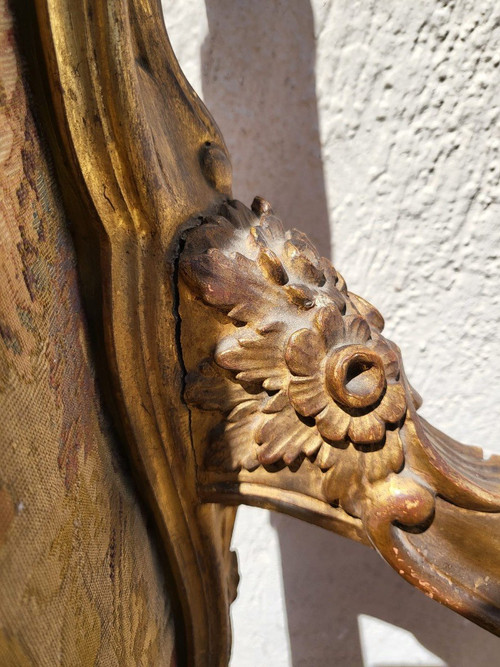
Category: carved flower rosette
[305,372]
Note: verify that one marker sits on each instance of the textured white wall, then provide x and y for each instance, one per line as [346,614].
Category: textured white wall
[373,126]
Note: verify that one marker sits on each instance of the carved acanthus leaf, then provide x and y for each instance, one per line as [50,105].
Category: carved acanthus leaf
[305,371]
[255,357]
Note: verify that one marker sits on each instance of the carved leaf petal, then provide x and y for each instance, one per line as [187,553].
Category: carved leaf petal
[258,239]
[355,469]
[334,281]
[366,429]
[344,480]
[218,280]
[330,323]
[307,395]
[310,447]
[302,266]
[341,283]
[209,390]
[300,295]
[381,462]
[239,215]
[243,410]
[285,436]
[388,355]
[303,245]
[213,234]
[276,402]
[232,444]
[255,358]
[271,266]
[393,405]
[303,352]
[356,329]
[328,456]
[415,397]
[333,422]
[365,309]
[272,226]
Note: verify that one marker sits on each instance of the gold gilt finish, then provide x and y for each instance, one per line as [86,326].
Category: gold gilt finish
[138,155]
[239,367]
[310,412]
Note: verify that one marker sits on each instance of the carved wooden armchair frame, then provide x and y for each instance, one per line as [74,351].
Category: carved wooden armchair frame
[238,366]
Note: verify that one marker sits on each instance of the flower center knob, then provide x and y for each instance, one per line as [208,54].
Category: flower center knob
[355,376]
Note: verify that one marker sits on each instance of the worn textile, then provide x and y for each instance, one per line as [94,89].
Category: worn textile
[80,581]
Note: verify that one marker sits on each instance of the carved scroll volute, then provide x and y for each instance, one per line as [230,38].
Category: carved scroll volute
[299,403]
[139,156]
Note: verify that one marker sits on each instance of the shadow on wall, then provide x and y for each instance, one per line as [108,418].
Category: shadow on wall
[329,581]
[259,83]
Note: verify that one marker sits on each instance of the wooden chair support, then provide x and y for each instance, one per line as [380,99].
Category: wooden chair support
[238,366]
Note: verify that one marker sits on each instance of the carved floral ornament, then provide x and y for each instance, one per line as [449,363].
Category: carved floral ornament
[293,399]
[306,371]
[299,403]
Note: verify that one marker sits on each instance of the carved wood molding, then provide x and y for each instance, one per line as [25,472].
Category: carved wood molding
[138,156]
[301,404]
[239,367]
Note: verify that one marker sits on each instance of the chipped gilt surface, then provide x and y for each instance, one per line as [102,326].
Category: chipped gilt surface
[306,371]
[249,375]
[299,403]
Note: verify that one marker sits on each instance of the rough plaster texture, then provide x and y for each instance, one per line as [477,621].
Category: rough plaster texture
[373,126]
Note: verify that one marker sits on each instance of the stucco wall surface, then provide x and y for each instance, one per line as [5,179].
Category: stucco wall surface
[374,127]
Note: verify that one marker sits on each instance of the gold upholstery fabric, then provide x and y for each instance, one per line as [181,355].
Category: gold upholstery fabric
[80,580]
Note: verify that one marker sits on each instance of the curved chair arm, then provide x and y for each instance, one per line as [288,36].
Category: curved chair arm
[300,404]
[237,364]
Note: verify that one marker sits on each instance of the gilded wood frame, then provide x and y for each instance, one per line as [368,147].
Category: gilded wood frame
[238,366]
